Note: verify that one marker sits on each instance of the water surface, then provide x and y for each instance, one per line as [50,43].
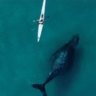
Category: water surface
[24,62]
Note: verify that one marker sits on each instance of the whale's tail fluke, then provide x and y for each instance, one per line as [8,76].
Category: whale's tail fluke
[40,87]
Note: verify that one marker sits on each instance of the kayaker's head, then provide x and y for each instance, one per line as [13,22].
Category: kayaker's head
[42,15]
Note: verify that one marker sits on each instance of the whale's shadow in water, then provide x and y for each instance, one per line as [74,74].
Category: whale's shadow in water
[63,83]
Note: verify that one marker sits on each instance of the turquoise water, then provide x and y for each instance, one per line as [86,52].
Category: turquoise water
[24,62]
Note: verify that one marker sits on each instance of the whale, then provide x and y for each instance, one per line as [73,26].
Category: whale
[62,59]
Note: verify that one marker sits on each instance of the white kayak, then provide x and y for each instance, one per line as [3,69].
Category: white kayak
[42,17]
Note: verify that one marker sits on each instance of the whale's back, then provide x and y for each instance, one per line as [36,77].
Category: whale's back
[64,58]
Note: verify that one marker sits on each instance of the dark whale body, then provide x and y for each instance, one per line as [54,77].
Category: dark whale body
[62,59]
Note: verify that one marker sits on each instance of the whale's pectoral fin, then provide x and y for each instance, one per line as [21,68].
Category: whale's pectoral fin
[54,56]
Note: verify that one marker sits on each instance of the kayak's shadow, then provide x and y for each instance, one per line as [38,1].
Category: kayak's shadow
[63,83]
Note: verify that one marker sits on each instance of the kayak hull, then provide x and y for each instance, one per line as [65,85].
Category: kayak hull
[40,26]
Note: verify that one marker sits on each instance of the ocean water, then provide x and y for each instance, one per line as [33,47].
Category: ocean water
[23,61]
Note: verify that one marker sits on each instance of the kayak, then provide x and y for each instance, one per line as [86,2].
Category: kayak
[42,17]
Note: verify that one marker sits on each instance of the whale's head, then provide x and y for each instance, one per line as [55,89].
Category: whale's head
[75,40]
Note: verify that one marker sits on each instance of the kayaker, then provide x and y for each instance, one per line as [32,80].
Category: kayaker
[42,19]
